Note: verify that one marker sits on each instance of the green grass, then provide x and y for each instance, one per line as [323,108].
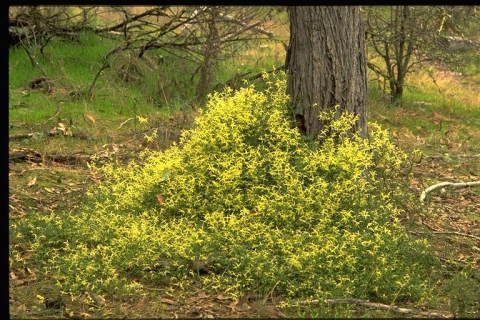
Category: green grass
[73,67]
[435,117]
[160,91]
[159,85]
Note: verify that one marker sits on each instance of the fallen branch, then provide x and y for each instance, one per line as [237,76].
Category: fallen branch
[20,155]
[448,232]
[121,125]
[453,156]
[444,184]
[53,133]
[26,136]
[25,154]
[381,306]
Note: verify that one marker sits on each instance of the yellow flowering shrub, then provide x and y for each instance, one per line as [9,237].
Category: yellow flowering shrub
[244,191]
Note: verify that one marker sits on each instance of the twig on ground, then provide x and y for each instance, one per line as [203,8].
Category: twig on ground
[121,125]
[20,155]
[17,137]
[55,115]
[381,306]
[450,184]
[453,156]
[448,232]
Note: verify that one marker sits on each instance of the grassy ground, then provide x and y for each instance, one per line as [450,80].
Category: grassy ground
[54,133]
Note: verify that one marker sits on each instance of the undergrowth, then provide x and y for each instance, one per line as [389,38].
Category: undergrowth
[265,208]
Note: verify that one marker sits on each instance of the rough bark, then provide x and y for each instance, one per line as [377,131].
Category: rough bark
[326,64]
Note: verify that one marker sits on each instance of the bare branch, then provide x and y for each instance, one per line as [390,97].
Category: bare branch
[450,184]
[245,26]
[157,11]
[34,61]
[105,65]
[453,155]
[449,232]
[55,115]
[380,306]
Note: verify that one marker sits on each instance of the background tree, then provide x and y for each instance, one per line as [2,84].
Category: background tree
[35,25]
[201,36]
[326,64]
[400,37]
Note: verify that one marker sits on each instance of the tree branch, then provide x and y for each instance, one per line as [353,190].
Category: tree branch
[448,232]
[106,64]
[381,306]
[20,155]
[254,26]
[55,115]
[34,61]
[444,184]
[157,11]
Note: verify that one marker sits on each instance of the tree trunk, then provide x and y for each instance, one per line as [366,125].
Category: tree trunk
[210,57]
[326,65]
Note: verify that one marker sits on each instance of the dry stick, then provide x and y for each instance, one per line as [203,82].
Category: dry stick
[228,18]
[453,156]
[47,134]
[106,64]
[232,35]
[121,125]
[25,136]
[34,61]
[429,72]
[380,306]
[210,284]
[55,115]
[444,184]
[35,156]
[158,11]
[448,232]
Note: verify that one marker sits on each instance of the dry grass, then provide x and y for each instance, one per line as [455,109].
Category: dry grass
[452,85]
